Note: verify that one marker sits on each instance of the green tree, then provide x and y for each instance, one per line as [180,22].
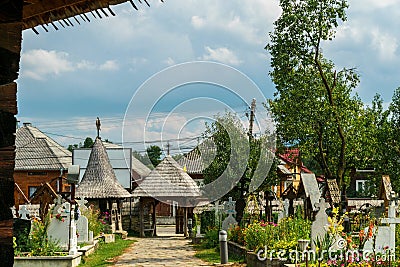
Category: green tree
[154,154]
[88,143]
[235,159]
[313,106]
[72,147]
[144,159]
[388,138]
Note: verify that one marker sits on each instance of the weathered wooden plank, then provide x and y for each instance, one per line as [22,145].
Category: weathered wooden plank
[8,98]
[9,106]
[6,231]
[8,91]
[6,156]
[10,49]
[41,7]
[10,11]
[7,129]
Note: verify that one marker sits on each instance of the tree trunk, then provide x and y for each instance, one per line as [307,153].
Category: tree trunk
[10,48]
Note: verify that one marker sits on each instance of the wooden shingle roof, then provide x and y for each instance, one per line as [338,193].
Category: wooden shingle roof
[68,12]
[99,180]
[168,179]
[199,158]
[37,151]
[334,191]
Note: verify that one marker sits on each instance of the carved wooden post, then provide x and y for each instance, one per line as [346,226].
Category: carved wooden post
[10,49]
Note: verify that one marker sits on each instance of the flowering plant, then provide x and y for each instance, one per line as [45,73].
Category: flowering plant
[236,234]
[59,217]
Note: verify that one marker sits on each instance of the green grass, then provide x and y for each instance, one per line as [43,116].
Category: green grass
[207,254]
[211,255]
[105,253]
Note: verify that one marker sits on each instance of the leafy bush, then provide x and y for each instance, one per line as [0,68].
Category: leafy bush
[207,220]
[236,235]
[211,238]
[38,244]
[276,236]
[97,222]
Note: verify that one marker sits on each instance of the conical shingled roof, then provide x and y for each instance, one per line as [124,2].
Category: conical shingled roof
[168,179]
[99,180]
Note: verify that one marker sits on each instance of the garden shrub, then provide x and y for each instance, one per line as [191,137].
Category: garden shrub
[96,221]
[235,234]
[276,236]
[208,220]
[38,243]
[211,238]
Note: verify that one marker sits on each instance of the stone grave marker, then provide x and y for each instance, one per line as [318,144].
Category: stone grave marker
[285,210]
[230,221]
[59,228]
[318,227]
[198,231]
[386,235]
[82,229]
[82,204]
[23,212]
[73,239]
[14,212]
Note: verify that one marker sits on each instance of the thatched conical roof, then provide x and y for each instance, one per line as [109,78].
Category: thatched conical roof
[99,180]
[168,180]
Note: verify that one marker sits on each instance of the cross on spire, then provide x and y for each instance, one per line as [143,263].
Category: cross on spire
[98,124]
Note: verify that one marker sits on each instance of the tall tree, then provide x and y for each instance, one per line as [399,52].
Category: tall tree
[313,105]
[234,160]
[88,143]
[154,154]
[388,138]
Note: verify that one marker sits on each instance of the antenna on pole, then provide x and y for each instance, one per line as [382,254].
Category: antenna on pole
[252,112]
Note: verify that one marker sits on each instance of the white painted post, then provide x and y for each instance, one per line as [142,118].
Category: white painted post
[73,240]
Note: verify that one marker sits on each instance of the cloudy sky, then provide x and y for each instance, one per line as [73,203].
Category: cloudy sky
[70,76]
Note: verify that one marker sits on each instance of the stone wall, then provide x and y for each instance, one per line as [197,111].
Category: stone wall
[253,261]
[237,250]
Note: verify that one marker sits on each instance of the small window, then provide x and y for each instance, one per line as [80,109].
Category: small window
[360,185]
[37,173]
[32,190]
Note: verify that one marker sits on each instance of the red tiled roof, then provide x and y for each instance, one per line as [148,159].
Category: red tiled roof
[290,156]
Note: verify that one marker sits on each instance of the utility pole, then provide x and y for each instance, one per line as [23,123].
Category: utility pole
[252,112]
[168,145]
[241,203]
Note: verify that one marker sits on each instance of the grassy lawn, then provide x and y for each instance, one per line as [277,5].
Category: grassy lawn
[105,253]
[207,254]
[211,255]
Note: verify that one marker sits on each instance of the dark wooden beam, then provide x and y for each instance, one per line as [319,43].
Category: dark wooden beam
[10,48]
[41,7]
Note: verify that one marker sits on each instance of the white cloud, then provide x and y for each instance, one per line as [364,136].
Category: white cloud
[374,4]
[109,65]
[86,65]
[197,22]
[40,63]
[385,44]
[169,61]
[221,54]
